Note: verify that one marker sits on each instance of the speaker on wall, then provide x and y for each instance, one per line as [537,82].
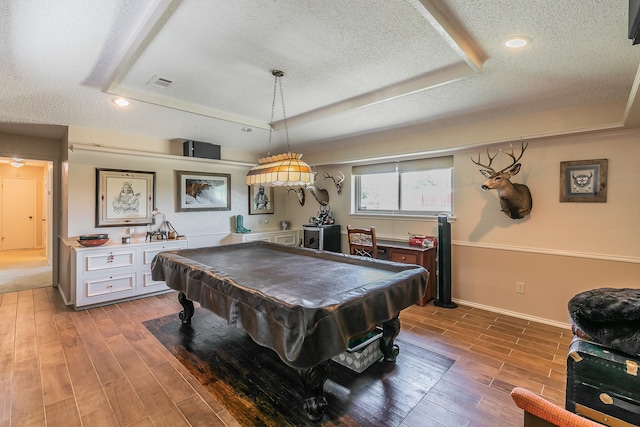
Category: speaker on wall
[201,149]
[443,298]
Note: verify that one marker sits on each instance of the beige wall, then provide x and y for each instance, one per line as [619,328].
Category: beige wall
[129,152]
[559,250]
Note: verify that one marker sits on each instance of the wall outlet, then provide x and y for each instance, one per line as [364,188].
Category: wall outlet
[520,287]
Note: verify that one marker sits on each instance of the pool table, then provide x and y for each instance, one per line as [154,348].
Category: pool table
[304,304]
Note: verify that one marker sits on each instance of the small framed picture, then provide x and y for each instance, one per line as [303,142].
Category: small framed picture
[260,200]
[583,181]
[203,191]
[124,197]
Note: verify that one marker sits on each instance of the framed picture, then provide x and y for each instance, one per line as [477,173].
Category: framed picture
[124,197]
[260,200]
[583,181]
[203,191]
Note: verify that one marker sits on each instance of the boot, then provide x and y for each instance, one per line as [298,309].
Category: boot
[239,227]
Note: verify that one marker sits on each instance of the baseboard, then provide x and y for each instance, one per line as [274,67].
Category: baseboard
[515,314]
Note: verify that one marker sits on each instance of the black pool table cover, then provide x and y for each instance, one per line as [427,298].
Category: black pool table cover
[303,303]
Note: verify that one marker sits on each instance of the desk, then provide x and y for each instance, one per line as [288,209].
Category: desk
[425,257]
[304,304]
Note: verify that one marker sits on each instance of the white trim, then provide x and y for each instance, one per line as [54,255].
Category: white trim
[83,147]
[515,314]
[554,252]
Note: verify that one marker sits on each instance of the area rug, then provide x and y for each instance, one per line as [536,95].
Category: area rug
[258,389]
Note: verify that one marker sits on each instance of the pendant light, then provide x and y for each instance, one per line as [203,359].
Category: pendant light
[282,170]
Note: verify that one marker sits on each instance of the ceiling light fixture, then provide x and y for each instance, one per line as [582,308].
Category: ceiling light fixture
[120,102]
[517,42]
[17,163]
[282,170]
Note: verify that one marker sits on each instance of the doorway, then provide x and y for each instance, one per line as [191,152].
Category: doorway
[26,206]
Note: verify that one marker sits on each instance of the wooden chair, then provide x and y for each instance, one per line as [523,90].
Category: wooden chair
[539,412]
[362,241]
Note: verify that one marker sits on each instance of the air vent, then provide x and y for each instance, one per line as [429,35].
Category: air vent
[160,82]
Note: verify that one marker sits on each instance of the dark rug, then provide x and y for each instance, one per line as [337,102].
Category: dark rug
[258,389]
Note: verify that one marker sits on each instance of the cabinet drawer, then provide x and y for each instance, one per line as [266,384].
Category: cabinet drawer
[403,257]
[109,286]
[287,239]
[149,253]
[108,260]
[150,285]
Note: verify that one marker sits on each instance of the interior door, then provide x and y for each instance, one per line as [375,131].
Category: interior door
[18,213]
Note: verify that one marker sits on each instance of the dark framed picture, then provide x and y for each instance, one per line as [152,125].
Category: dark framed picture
[260,200]
[583,181]
[124,197]
[203,191]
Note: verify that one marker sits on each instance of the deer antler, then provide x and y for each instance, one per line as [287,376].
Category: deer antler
[488,167]
[337,183]
[512,155]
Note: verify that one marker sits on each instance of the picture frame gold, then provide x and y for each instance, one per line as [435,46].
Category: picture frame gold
[202,191]
[124,197]
[260,203]
[584,181]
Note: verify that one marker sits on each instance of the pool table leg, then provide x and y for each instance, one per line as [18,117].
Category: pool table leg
[390,331]
[313,380]
[186,314]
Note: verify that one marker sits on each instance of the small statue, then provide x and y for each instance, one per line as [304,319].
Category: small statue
[239,226]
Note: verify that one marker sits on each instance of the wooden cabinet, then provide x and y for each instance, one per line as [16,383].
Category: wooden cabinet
[116,272]
[425,257]
[284,237]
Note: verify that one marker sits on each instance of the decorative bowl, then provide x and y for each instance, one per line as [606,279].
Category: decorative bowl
[93,236]
[90,242]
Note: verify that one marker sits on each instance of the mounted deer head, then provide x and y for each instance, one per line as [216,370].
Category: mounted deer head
[337,183]
[320,194]
[515,199]
[299,192]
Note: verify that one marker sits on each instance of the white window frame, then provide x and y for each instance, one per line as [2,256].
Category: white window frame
[436,163]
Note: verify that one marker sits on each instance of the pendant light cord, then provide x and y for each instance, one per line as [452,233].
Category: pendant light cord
[278,79]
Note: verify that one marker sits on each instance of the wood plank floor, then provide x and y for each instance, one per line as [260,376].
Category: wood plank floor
[101,367]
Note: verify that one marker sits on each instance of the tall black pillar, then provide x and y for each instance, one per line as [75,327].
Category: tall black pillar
[443,298]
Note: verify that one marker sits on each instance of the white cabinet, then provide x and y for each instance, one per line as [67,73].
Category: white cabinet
[284,237]
[115,272]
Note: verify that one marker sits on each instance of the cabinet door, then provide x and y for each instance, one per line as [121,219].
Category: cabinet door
[149,285]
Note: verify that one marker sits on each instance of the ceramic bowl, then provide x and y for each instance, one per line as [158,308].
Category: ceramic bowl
[92,242]
[93,236]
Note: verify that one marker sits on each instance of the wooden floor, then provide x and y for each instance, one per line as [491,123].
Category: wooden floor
[101,367]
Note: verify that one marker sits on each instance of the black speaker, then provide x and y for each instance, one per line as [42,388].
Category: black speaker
[443,298]
[200,149]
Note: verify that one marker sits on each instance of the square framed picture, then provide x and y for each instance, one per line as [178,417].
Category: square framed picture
[124,197]
[203,191]
[260,200]
[583,181]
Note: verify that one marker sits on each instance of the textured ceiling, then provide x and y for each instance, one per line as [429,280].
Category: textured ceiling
[351,67]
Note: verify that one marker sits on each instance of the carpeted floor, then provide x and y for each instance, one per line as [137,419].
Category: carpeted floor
[258,389]
[24,269]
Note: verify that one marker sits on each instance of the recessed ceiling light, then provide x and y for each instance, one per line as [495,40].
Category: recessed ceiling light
[246,129]
[517,42]
[120,102]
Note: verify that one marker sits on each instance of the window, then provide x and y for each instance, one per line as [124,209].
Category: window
[412,187]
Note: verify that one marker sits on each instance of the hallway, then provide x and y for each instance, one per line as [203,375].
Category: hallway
[23,269]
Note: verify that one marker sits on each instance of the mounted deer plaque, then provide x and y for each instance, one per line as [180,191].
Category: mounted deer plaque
[515,199]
